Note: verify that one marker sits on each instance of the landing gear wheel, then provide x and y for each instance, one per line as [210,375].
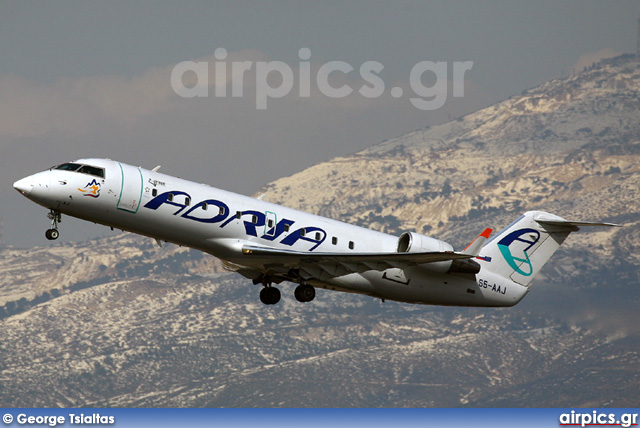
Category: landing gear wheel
[270,295]
[55,218]
[52,234]
[304,293]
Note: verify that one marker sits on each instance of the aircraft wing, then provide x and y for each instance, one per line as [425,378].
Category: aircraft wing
[330,265]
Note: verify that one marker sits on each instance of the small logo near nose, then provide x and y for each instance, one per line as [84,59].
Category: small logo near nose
[92,189]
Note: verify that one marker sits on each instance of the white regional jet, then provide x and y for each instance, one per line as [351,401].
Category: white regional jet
[270,243]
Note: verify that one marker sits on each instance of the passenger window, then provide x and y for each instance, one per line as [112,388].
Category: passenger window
[303,232]
[221,211]
[351,245]
[334,240]
[204,206]
[286,227]
[170,197]
[254,219]
[238,214]
[154,192]
[187,201]
[318,236]
[270,223]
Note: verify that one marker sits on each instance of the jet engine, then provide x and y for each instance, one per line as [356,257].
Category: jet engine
[410,242]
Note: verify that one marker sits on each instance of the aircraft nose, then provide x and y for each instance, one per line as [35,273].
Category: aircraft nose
[34,187]
[24,186]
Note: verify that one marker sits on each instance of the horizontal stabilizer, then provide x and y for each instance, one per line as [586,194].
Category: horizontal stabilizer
[551,220]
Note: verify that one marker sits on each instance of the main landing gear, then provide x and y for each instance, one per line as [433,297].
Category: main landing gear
[55,218]
[270,295]
[305,293]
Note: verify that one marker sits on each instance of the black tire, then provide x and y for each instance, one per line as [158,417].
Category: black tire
[264,296]
[305,293]
[270,295]
[52,234]
[275,295]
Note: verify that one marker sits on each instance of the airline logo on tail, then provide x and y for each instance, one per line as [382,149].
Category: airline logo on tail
[522,240]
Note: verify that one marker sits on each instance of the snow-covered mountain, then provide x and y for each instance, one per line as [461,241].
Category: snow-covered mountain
[121,322]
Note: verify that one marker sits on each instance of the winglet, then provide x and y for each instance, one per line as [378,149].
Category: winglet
[476,245]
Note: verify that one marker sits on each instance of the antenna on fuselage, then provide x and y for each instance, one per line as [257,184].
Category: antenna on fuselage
[156,168]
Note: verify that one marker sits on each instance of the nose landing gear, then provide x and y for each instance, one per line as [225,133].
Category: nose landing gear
[55,217]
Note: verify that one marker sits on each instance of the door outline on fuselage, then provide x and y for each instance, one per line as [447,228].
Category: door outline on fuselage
[129,202]
[270,231]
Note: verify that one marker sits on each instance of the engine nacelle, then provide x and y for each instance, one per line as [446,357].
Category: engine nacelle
[410,242]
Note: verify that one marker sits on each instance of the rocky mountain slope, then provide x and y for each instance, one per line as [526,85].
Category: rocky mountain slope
[570,146]
[563,144]
[121,322]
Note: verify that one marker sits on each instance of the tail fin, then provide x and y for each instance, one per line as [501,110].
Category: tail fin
[476,245]
[523,247]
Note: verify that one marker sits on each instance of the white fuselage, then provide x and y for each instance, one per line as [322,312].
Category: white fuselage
[220,223]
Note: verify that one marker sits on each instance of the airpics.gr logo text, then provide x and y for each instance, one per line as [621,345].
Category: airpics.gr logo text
[276,79]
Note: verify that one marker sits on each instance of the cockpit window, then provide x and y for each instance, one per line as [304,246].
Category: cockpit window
[69,166]
[92,170]
[85,169]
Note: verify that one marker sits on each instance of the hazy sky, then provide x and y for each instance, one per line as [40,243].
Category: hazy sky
[93,79]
